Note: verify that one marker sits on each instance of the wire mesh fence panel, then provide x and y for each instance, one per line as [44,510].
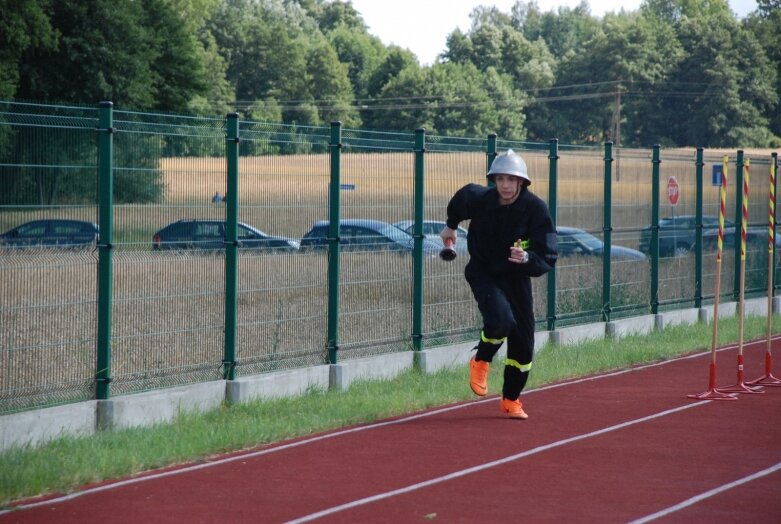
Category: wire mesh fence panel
[377,181]
[758,225]
[172,267]
[631,212]
[757,234]
[677,228]
[168,258]
[580,221]
[47,263]
[449,311]
[282,305]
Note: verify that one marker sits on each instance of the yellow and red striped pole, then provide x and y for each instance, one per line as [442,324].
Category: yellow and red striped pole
[740,386]
[771,209]
[743,226]
[768,379]
[712,393]
[722,211]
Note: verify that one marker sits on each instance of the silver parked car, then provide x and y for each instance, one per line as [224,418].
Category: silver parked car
[432,229]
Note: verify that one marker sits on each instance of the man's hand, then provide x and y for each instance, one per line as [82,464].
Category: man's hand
[517,254]
[446,234]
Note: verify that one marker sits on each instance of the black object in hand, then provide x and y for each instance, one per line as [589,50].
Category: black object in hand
[447,253]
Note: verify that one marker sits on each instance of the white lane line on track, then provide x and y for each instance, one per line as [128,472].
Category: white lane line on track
[488,465]
[234,458]
[702,496]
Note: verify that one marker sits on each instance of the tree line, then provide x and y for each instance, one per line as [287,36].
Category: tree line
[673,72]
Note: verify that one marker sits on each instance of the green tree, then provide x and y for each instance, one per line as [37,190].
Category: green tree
[219,96]
[764,24]
[177,57]
[403,100]
[331,15]
[361,53]
[607,82]
[564,31]
[512,66]
[377,109]
[331,87]
[136,54]
[24,25]
[265,58]
[493,41]
[725,75]
[454,99]
[102,54]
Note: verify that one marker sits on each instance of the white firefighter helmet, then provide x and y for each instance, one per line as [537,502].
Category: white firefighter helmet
[509,163]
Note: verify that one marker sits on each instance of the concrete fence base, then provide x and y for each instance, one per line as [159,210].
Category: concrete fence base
[35,427]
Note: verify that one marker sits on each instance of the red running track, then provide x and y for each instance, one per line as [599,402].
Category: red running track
[622,447]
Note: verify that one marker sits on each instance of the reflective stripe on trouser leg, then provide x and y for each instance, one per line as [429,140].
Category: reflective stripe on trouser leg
[487,347]
[515,377]
[497,341]
[516,364]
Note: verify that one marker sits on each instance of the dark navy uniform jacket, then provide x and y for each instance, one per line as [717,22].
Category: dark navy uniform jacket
[494,228]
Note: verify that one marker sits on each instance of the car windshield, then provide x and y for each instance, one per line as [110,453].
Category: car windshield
[587,240]
[249,231]
[393,233]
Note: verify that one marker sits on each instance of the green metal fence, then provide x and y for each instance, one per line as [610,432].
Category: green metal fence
[122,313]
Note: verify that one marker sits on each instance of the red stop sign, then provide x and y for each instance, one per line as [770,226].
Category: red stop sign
[673,190]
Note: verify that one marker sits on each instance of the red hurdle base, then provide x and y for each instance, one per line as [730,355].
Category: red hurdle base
[767,379]
[740,386]
[713,393]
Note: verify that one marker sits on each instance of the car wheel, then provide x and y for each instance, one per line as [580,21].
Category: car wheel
[680,250]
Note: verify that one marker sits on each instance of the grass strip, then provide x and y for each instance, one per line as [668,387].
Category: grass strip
[65,464]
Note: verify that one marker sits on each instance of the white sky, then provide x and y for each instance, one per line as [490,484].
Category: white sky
[422,26]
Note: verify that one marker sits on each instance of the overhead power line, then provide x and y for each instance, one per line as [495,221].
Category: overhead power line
[429,101]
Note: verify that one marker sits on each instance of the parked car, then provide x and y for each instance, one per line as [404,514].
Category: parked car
[677,235]
[756,238]
[210,234]
[52,232]
[432,229]
[573,241]
[365,235]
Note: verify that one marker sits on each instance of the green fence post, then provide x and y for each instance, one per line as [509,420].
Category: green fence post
[105,245]
[553,181]
[417,263]
[231,246]
[335,148]
[490,155]
[698,232]
[738,220]
[655,165]
[607,228]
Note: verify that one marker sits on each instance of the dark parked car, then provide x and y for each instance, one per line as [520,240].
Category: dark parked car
[52,232]
[210,234]
[756,238]
[365,235]
[677,235]
[432,229]
[573,241]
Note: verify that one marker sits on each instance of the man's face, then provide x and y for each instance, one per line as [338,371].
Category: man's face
[507,186]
